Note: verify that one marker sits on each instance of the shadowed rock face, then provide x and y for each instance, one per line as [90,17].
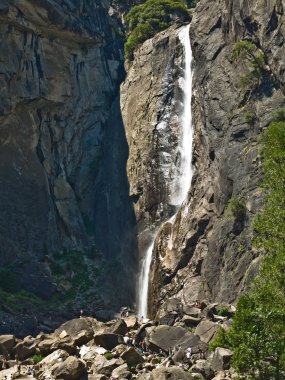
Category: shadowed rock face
[210,255]
[60,69]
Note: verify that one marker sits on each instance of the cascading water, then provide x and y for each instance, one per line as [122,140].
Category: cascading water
[184,173]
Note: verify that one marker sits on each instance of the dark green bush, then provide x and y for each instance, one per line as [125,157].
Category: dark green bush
[250,117]
[254,60]
[37,358]
[236,207]
[149,18]
[108,355]
[223,312]
[279,114]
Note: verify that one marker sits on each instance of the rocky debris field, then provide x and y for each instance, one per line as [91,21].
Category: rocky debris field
[174,347]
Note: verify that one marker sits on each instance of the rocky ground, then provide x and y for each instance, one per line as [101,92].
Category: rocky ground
[125,348]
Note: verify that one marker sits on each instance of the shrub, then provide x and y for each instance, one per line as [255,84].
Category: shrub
[254,58]
[108,355]
[250,117]
[149,18]
[279,114]
[223,312]
[37,358]
[236,208]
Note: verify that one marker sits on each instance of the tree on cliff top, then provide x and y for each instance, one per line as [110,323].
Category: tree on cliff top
[149,18]
[257,336]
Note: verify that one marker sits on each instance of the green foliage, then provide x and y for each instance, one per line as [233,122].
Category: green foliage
[147,19]
[19,301]
[254,59]
[257,335]
[108,355]
[250,117]
[8,280]
[71,267]
[279,114]
[191,3]
[220,340]
[236,208]
[223,312]
[37,358]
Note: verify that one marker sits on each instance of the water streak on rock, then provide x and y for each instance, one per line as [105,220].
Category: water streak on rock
[185,170]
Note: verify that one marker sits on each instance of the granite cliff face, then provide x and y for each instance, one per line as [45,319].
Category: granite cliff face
[211,255]
[151,105]
[60,69]
[86,168]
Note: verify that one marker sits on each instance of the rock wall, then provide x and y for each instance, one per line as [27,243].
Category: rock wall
[151,102]
[211,255]
[60,69]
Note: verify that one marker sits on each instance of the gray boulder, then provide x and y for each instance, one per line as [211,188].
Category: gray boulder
[170,374]
[132,357]
[167,337]
[80,330]
[71,369]
[206,330]
[191,321]
[7,342]
[122,372]
[108,341]
[119,327]
[105,367]
[23,351]
[204,368]
[221,359]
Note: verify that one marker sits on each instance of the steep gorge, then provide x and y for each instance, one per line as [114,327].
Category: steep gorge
[89,169]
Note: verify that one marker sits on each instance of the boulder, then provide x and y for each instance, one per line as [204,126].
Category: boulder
[206,330]
[23,351]
[192,311]
[70,369]
[122,372]
[179,356]
[56,356]
[119,327]
[97,377]
[131,322]
[7,343]
[204,368]
[168,319]
[191,321]
[167,337]
[105,367]
[132,357]
[79,329]
[221,359]
[118,350]
[65,344]
[45,346]
[170,374]
[108,341]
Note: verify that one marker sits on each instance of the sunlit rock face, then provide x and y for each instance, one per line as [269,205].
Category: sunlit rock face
[206,253]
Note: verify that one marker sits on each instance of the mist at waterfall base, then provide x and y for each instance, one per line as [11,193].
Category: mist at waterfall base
[184,175]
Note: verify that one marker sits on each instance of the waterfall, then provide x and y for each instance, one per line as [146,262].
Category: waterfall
[185,172]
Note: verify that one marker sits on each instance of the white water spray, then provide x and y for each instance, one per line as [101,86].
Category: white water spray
[185,172]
